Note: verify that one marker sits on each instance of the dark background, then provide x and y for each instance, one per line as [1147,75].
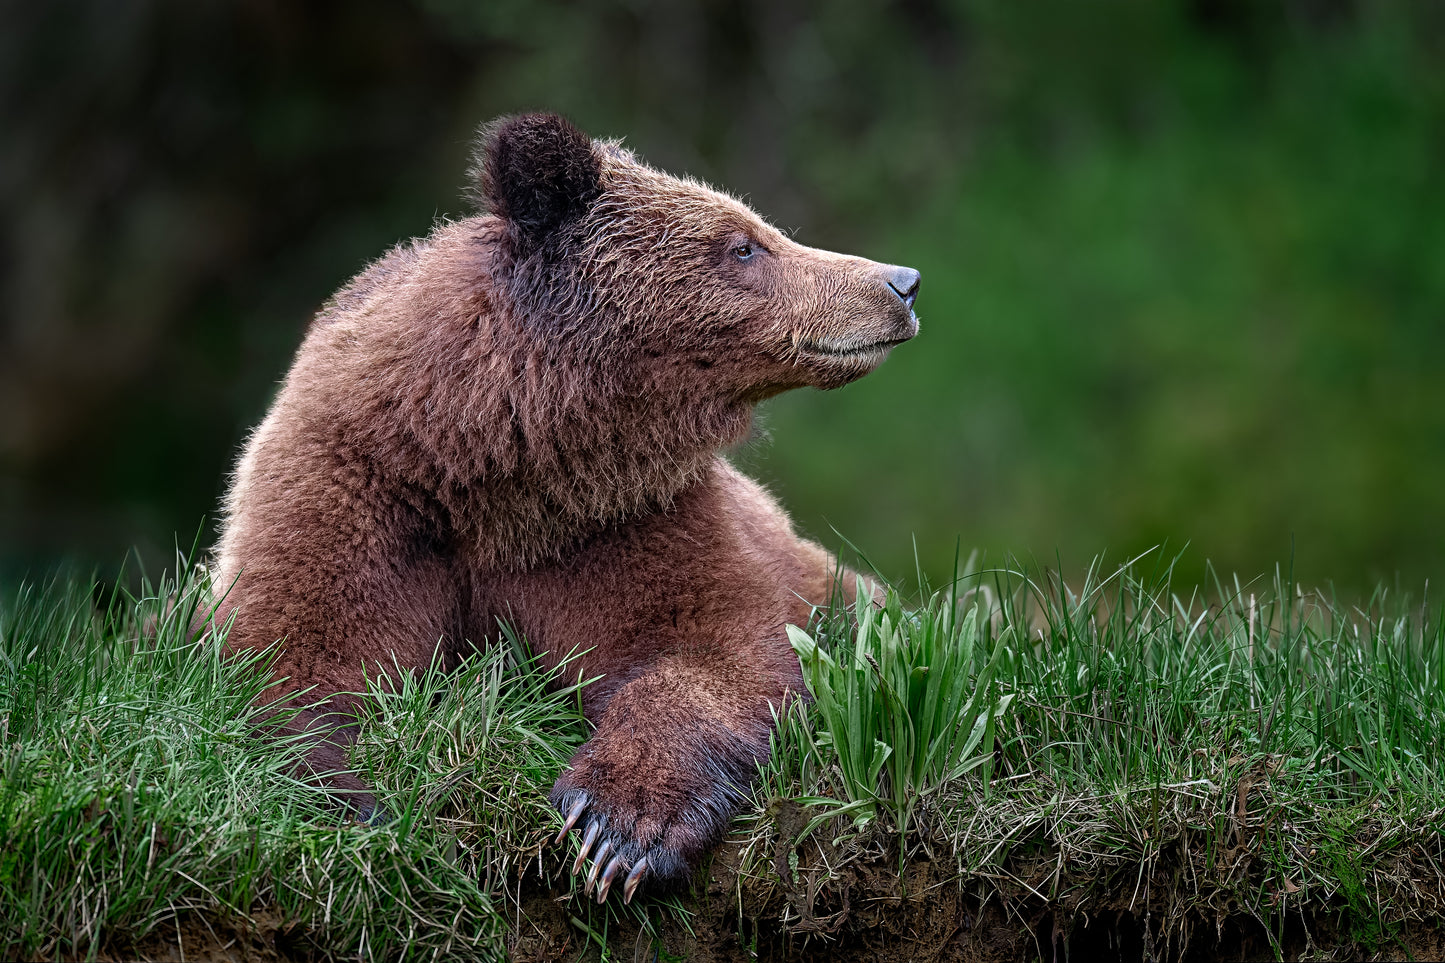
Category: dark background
[1183,262]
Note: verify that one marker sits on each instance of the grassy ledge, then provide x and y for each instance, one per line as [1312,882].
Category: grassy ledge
[1009,768]
[1164,766]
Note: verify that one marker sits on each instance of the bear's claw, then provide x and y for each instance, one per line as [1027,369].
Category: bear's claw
[608,875]
[594,827]
[597,865]
[633,878]
[572,817]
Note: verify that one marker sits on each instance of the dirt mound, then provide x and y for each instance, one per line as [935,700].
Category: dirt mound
[866,911]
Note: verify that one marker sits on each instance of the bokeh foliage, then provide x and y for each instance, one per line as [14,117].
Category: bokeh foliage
[1184,262]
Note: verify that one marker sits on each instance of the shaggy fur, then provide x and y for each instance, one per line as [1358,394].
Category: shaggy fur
[519,418]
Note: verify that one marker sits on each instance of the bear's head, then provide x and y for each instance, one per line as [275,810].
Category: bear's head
[625,267]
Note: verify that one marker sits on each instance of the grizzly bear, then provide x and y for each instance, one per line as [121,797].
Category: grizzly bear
[519,418]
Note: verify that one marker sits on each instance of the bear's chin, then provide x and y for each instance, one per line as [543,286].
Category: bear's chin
[834,370]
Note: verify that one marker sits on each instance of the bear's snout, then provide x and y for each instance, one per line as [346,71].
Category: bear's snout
[903,284]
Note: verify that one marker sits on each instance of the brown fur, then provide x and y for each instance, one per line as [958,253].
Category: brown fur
[519,417]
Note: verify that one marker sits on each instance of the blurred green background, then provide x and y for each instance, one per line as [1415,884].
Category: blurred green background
[1183,262]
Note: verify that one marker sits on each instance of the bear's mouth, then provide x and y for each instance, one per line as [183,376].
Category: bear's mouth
[848,349]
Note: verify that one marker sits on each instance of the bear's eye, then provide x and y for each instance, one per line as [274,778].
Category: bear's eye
[743,251]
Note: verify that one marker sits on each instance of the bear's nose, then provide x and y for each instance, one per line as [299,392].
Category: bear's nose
[904,282]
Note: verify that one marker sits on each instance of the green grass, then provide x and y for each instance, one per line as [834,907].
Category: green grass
[1097,746]
[1262,749]
[136,790]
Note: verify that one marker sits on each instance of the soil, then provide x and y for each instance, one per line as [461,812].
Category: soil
[811,904]
[927,927]
[205,938]
[868,913]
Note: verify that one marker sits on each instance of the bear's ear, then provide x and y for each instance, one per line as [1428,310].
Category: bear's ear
[537,173]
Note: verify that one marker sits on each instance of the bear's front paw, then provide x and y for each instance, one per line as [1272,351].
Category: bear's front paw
[654,817]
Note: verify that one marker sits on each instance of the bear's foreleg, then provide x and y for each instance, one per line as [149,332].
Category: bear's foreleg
[344,607]
[328,731]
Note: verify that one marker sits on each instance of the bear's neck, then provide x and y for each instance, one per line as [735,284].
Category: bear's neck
[561,463]
[529,450]
[548,491]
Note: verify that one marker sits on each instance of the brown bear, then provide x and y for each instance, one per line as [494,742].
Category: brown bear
[520,418]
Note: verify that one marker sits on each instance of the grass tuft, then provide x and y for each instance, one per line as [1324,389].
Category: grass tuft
[904,702]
